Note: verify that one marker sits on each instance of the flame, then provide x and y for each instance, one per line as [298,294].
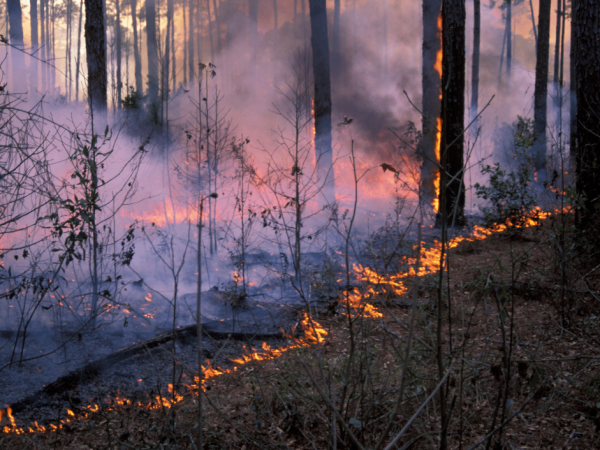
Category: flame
[311,331]
[439,57]
[438,157]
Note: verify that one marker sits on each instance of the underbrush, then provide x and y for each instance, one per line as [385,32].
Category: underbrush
[520,350]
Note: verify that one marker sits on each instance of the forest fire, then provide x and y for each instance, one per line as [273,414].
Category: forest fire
[438,136]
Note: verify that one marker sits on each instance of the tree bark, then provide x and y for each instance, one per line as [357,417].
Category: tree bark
[139,84]
[573,90]
[475,63]
[431,103]
[118,41]
[95,40]
[15,20]
[541,84]
[452,189]
[508,39]
[191,68]
[275,16]
[335,42]
[557,45]
[587,16]
[152,48]
[78,60]
[33,74]
[43,48]
[322,99]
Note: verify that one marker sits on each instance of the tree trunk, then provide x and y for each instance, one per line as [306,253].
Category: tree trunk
[535,33]
[191,73]
[452,189]
[210,32]
[43,47]
[173,51]
[15,19]
[253,30]
[541,84]
[508,40]
[275,16]
[139,85]
[335,42]
[573,90]
[475,63]
[152,48]
[95,40]
[78,61]
[33,73]
[431,106]
[557,45]
[322,107]
[218,26]
[118,50]
[588,121]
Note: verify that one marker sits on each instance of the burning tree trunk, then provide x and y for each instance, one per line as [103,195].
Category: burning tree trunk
[475,65]
[322,107]
[95,39]
[541,84]
[139,86]
[587,57]
[152,47]
[15,20]
[431,107]
[452,189]
[33,13]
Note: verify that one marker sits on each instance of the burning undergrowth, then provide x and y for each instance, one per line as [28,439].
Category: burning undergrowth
[158,372]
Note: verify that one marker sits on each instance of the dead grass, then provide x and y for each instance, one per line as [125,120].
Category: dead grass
[286,402]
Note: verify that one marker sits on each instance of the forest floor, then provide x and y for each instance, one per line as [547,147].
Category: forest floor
[521,338]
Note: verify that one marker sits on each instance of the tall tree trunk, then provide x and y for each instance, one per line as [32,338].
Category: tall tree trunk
[335,42]
[95,47]
[152,48]
[508,40]
[15,19]
[139,86]
[275,16]
[43,46]
[253,32]
[210,32]
[475,62]
[431,104]
[173,51]
[68,49]
[452,189]
[541,84]
[33,22]
[535,34]
[118,39]
[78,60]
[322,107]
[384,32]
[557,45]
[218,26]
[588,120]
[166,62]
[53,24]
[185,43]
[573,90]
[191,68]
